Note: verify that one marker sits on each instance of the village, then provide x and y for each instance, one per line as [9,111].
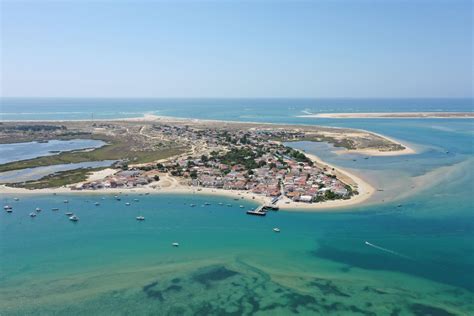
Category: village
[252,160]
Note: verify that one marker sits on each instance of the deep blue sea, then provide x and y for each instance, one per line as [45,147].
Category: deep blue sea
[419,228]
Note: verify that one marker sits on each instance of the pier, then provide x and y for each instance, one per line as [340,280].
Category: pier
[259,211]
[262,210]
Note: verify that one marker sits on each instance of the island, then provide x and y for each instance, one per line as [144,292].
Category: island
[393,115]
[162,154]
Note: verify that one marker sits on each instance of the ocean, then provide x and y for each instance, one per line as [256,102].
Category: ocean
[409,251]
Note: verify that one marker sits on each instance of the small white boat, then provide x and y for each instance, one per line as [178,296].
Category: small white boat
[55,209]
[140,218]
[69,213]
[220,203]
[241,206]
[96,203]
[16,199]
[32,214]
[128,204]
[192,205]
[66,201]
[7,207]
[175,244]
[135,200]
[74,218]
[38,209]
[276,230]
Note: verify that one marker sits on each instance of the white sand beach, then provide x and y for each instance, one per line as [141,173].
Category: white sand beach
[392,115]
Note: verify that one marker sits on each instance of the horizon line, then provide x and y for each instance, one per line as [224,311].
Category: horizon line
[229,98]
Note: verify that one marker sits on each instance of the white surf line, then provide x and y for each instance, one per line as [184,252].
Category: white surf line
[387,250]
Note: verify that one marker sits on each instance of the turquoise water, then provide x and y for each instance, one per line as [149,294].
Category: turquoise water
[418,261]
[260,110]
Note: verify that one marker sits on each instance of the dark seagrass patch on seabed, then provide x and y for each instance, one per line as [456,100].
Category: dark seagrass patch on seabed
[211,274]
[427,310]
[230,292]
[327,287]
[151,291]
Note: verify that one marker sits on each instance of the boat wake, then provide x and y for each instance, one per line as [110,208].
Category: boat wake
[387,250]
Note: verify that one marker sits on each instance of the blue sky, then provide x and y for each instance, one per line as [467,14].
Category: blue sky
[237,48]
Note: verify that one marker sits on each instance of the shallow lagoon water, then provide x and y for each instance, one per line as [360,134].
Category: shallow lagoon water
[29,174]
[30,150]
[228,261]
[419,261]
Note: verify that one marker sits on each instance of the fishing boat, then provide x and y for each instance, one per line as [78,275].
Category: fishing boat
[140,218]
[32,214]
[175,244]
[276,230]
[7,207]
[74,218]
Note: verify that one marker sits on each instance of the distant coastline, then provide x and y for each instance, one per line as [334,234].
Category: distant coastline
[393,115]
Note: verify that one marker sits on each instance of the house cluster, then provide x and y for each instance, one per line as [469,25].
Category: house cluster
[251,160]
[262,167]
[122,179]
[304,183]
